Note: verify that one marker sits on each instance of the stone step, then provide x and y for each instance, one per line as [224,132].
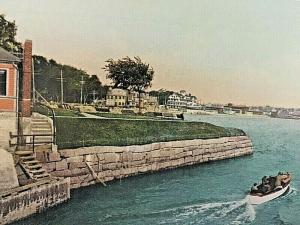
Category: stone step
[39,121]
[34,119]
[42,125]
[31,162]
[40,176]
[41,128]
[42,131]
[37,172]
[27,158]
[24,153]
[43,138]
[35,166]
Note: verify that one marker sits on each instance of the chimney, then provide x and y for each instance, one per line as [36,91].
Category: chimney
[27,79]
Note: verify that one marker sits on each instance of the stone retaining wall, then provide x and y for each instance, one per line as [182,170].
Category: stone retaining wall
[36,199]
[110,162]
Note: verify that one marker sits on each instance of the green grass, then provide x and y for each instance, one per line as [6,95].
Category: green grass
[78,132]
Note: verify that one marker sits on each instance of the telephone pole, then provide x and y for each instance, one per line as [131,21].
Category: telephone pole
[61,87]
[94,96]
[81,89]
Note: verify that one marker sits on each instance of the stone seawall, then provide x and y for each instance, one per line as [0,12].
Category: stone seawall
[89,165]
[36,199]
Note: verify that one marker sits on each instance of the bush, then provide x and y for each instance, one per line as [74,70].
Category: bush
[78,132]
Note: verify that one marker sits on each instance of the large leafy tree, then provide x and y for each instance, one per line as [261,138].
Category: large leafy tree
[131,74]
[8,31]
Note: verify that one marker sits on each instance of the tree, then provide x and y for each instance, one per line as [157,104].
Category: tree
[162,95]
[47,81]
[8,31]
[130,74]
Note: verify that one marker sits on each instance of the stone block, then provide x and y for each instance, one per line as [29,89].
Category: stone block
[138,156]
[62,173]
[198,158]
[165,152]
[49,167]
[90,158]
[155,146]
[154,166]
[75,180]
[177,144]
[189,159]
[111,157]
[113,166]
[41,156]
[117,173]
[53,157]
[75,159]
[155,154]
[144,169]
[79,172]
[74,165]
[126,156]
[61,165]
[137,163]
[100,156]
[66,153]
[198,151]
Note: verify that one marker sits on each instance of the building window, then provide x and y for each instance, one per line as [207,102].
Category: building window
[3,82]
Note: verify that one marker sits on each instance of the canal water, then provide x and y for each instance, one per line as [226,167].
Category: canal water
[213,193]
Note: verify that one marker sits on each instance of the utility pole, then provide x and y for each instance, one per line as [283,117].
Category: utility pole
[61,87]
[94,96]
[81,89]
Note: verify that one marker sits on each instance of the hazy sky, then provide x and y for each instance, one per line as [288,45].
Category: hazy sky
[246,52]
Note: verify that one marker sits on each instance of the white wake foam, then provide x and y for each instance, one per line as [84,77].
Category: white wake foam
[232,212]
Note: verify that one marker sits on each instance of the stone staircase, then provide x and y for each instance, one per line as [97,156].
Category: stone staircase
[41,126]
[31,166]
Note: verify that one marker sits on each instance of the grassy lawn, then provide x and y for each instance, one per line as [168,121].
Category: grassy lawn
[78,132]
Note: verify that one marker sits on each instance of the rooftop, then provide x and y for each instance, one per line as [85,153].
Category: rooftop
[7,57]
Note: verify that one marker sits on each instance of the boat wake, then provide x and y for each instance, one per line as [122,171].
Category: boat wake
[232,212]
[290,193]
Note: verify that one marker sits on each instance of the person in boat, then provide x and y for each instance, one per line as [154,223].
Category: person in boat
[266,185]
[264,180]
[254,188]
[281,179]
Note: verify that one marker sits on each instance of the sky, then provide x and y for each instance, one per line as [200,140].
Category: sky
[239,51]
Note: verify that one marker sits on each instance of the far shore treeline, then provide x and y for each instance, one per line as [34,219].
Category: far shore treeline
[47,82]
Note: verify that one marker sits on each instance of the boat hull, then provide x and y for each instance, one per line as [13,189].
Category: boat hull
[257,200]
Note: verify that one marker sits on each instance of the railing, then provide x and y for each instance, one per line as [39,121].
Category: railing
[33,141]
[52,115]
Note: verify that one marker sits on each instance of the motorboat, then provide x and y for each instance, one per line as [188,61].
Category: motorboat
[270,188]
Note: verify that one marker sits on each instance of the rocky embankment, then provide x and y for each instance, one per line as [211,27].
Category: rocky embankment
[90,165]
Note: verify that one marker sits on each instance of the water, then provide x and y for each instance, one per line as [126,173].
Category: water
[213,193]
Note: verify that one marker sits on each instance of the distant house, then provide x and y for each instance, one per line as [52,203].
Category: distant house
[182,100]
[145,100]
[9,78]
[116,97]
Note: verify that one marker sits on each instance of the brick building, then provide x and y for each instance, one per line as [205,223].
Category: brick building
[16,81]
[15,90]
[9,74]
